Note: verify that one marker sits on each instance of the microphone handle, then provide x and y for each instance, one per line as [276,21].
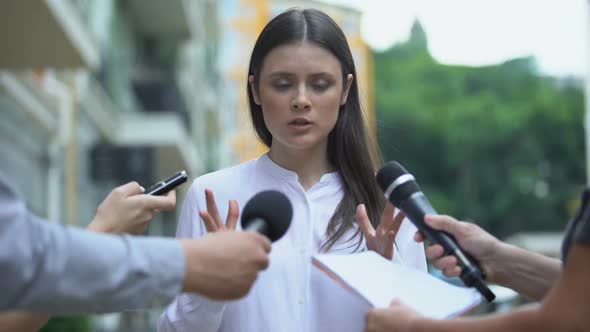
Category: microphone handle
[258,225]
[415,208]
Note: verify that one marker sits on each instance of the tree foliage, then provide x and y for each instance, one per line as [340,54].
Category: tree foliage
[500,145]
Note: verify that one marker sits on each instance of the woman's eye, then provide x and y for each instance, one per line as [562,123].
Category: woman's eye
[320,85]
[281,85]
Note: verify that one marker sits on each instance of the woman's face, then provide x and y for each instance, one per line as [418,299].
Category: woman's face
[300,90]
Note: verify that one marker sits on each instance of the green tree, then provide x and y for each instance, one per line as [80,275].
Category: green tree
[499,144]
[67,324]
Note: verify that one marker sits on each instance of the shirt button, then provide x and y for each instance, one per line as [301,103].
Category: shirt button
[301,301]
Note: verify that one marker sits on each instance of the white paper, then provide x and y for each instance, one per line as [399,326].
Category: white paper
[335,308]
[372,281]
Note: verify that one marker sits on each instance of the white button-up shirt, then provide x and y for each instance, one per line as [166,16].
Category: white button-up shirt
[284,296]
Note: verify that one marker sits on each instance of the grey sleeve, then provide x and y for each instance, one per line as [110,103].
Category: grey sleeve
[51,268]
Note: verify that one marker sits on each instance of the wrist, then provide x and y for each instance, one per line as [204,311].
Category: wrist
[99,227]
[191,281]
[186,281]
[496,267]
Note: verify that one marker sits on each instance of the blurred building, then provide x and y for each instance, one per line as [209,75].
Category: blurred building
[100,92]
[242,21]
[95,93]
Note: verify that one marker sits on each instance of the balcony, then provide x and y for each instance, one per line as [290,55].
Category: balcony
[165,132]
[36,104]
[44,33]
[162,19]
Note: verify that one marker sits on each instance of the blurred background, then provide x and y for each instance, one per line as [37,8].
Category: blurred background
[482,100]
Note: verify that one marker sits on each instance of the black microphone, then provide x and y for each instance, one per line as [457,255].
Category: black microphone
[402,190]
[268,213]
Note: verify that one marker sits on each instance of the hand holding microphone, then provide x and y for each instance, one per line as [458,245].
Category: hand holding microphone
[224,263]
[475,241]
[401,189]
[268,213]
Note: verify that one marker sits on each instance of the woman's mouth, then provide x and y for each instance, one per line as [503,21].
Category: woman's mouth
[300,124]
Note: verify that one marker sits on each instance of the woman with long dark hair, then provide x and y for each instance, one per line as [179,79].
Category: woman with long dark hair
[304,105]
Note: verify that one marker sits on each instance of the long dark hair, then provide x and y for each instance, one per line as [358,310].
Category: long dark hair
[349,149]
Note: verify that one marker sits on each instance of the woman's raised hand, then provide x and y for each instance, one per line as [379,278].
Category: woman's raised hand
[380,240]
[212,218]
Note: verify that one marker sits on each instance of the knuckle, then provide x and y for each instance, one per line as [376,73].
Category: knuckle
[263,262]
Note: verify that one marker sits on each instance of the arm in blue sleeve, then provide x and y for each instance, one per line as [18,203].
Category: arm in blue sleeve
[55,269]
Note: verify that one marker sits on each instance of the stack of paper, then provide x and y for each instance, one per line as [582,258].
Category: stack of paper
[357,282]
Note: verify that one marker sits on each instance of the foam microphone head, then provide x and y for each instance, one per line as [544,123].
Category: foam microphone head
[396,182]
[268,212]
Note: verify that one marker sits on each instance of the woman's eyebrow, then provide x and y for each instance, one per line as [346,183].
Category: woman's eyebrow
[280,73]
[322,74]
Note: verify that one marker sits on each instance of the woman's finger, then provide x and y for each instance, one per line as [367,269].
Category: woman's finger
[387,219]
[363,220]
[397,221]
[389,248]
[212,208]
[210,224]
[233,212]
[419,237]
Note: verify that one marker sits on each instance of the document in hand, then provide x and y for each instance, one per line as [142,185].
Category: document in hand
[375,282]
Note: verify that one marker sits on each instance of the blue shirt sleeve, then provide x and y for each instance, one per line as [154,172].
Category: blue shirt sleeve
[47,267]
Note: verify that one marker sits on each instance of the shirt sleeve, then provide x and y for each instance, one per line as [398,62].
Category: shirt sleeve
[51,268]
[191,312]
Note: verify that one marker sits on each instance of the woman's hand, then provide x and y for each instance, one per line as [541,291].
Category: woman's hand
[380,240]
[212,218]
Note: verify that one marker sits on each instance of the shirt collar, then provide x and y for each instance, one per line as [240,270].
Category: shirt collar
[277,171]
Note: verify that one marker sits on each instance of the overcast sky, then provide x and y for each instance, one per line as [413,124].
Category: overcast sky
[477,32]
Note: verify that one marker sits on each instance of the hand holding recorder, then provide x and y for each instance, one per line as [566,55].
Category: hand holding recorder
[129,209]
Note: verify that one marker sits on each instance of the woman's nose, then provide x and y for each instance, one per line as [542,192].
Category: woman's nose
[301,100]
